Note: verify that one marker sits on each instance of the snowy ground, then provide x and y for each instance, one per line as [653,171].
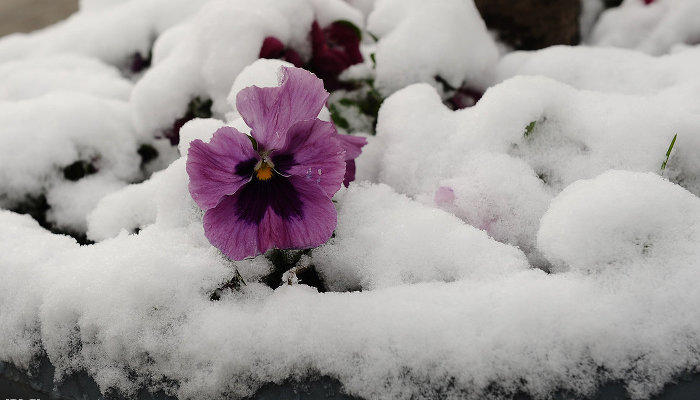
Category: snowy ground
[532,242]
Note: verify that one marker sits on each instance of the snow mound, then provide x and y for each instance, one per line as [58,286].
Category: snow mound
[206,54]
[656,28]
[34,77]
[532,128]
[418,244]
[26,250]
[129,209]
[604,69]
[72,127]
[421,40]
[630,219]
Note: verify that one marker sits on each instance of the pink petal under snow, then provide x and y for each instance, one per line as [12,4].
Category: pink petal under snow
[238,238]
[212,166]
[444,196]
[318,156]
[271,111]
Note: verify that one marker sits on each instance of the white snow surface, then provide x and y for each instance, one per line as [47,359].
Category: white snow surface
[656,28]
[45,134]
[34,77]
[420,40]
[472,258]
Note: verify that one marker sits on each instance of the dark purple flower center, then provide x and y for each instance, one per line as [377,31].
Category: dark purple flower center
[267,188]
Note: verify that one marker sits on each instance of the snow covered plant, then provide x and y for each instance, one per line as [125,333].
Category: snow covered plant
[274,187]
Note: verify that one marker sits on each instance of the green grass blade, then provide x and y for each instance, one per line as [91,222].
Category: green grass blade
[668,153]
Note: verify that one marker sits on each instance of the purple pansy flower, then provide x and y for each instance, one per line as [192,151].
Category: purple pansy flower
[278,193]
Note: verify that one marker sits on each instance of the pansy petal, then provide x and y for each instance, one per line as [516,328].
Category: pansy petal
[311,223]
[237,239]
[317,155]
[353,148]
[220,167]
[313,229]
[352,145]
[271,111]
[350,169]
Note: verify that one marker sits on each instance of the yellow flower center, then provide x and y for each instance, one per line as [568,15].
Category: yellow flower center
[264,171]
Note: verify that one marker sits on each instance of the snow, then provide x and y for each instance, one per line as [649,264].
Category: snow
[128,209]
[421,40]
[604,69]
[631,219]
[73,126]
[435,245]
[529,243]
[71,202]
[206,54]
[654,29]
[31,78]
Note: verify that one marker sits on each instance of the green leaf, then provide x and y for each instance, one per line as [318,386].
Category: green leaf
[668,153]
[374,60]
[371,103]
[348,102]
[338,119]
[199,108]
[529,128]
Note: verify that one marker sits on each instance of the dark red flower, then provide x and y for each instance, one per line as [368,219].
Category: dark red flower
[335,48]
[273,48]
[647,2]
